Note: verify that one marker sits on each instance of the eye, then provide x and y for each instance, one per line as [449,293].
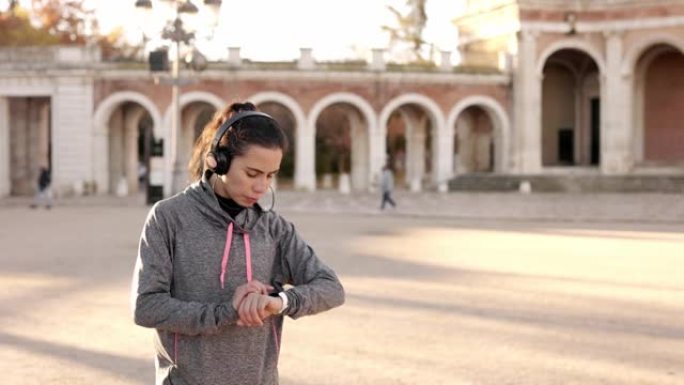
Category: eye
[252,174]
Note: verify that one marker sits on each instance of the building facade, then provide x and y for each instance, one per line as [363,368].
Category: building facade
[597,84]
[545,87]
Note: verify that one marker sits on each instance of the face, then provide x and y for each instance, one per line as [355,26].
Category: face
[250,175]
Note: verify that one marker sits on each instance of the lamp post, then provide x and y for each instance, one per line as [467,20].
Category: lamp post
[177,33]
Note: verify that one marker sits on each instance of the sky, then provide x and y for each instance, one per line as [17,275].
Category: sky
[275,30]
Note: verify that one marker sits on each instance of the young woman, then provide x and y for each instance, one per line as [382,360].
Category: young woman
[211,262]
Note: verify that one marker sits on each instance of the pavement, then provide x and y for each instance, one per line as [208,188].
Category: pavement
[451,289]
[510,206]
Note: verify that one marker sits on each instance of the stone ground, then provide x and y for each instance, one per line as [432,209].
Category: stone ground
[481,289]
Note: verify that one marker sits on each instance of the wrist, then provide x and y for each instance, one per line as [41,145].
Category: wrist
[284,299]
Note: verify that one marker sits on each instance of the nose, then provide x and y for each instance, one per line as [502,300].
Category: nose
[261,185]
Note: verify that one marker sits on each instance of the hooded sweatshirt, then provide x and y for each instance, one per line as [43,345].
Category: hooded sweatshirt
[192,256]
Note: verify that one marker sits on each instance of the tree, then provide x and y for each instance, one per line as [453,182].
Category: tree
[17,30]
[52,22]
[406,38]
[70,21]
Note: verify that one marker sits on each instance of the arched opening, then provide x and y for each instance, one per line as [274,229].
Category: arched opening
[659,102]
[342,148]
[474,142]
[571,105]
[286,120]
[30,142]
[130,142]
[409,146]
[396,147]
[194,116]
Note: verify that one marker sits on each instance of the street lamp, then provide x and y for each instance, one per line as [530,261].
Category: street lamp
[177,33]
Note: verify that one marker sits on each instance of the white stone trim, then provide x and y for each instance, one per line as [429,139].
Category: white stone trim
[501,124]
[637,49]
[107,106]
[301,156]
[201,96]
[603,26]
[572,43]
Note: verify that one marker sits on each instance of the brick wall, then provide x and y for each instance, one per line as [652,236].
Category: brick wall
[664,109]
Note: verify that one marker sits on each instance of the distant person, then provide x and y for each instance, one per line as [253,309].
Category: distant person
[387,187]
[43,195]
[212,263]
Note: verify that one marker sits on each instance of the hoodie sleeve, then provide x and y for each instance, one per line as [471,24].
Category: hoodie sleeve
[316,286]
[153,305]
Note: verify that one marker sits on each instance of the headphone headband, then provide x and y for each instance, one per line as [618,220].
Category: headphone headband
[230,122]
[223,160]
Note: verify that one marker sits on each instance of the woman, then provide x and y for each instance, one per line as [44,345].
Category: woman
[212,262]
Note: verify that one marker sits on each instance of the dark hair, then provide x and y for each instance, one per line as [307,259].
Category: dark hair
[252,130]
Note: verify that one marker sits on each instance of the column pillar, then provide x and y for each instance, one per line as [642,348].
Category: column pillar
[5,181]
[528,106]
[305,176]
[130,148]
[615,130]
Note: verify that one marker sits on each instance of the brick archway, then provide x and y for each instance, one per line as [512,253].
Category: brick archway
[100,151]
[293,106]
[369,116]
[501,124]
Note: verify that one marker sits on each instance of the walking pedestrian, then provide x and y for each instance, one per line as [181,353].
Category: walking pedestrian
[387,186]
[216,273]
[43,196]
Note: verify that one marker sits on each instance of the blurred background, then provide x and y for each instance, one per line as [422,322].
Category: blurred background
[455,95]
[537,148]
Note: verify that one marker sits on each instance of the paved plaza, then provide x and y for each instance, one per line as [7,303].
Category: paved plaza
[455,289]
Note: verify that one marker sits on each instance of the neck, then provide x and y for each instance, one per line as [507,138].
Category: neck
[218,186]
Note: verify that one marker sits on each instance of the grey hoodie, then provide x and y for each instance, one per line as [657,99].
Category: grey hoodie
[177,288]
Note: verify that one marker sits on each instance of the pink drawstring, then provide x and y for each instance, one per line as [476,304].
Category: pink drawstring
[248,264]
[275,336]
[248,257]
[226,252]
[175,348]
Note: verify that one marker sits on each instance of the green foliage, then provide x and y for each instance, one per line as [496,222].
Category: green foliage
[16,30]
[60,22]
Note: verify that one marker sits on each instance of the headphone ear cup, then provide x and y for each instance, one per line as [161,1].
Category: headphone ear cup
[222,162]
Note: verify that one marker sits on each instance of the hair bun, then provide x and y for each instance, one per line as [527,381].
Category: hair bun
[239,107]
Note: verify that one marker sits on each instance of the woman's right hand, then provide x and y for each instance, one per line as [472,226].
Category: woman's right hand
[250,287]
[255,308]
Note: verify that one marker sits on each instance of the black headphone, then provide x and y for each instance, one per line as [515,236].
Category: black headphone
[224,158]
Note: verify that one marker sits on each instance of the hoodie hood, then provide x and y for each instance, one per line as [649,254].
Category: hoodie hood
[204,198]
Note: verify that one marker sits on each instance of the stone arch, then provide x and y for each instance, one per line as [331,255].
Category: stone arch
[652,128]
[501,125]
[101,131]
[580,139]
[309,132]
[440,158]
[107,106]
[299,130]
[637,50]
[183,100]
[575,44]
